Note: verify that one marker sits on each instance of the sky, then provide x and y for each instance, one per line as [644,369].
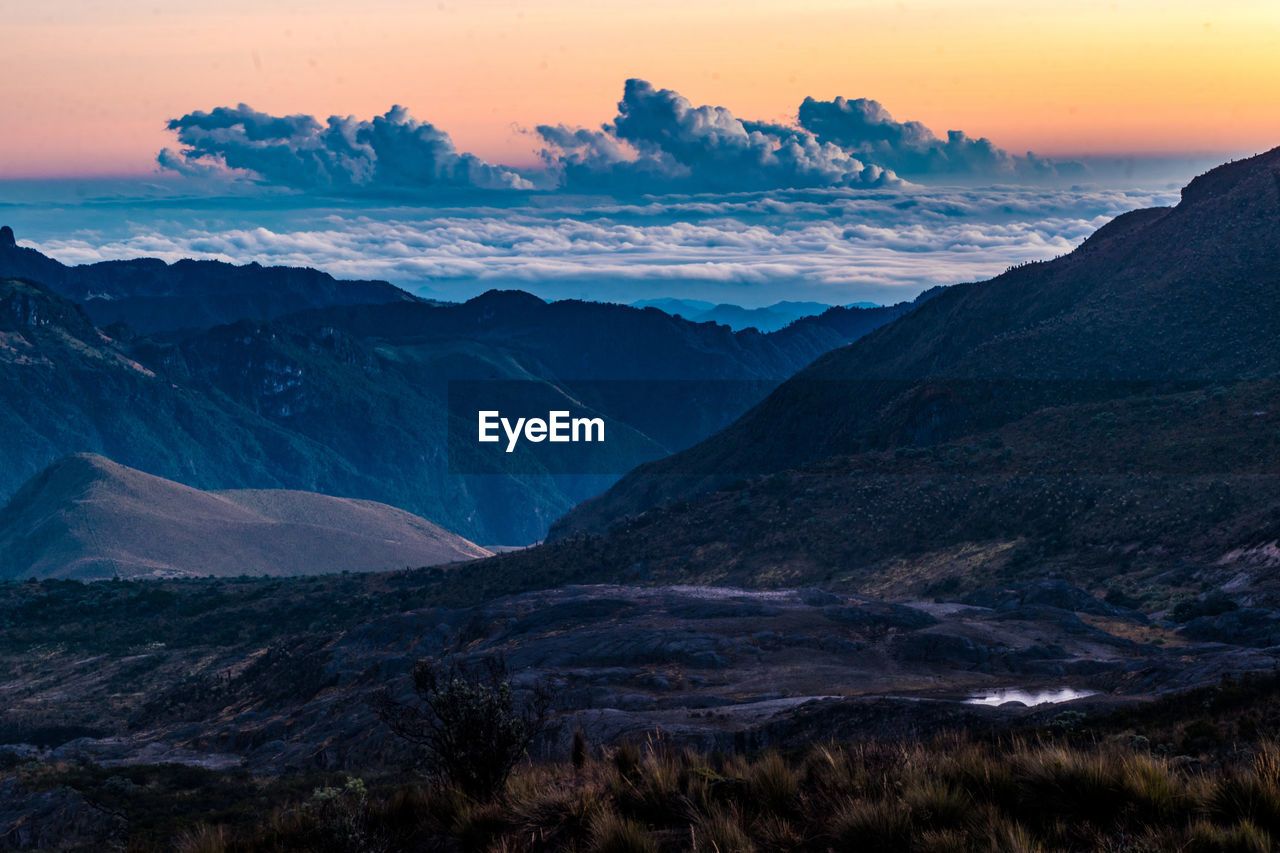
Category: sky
[91,83]
[739,151]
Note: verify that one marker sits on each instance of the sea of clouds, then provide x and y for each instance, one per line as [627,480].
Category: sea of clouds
[826,245]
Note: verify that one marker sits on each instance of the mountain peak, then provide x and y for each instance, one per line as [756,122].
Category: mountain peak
[88,466]
[515,299]
[6,237]
[25,305]
[1258,176]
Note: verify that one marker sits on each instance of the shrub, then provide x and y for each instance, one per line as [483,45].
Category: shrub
[611,833]
[340,819]
[468,718]
[773,784]
[721,831]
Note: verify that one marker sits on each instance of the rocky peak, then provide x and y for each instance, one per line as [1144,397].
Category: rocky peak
[26,305]
[6,237]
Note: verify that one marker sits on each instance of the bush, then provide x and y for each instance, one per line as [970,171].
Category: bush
[611,833]
[1214,604]
[468,718]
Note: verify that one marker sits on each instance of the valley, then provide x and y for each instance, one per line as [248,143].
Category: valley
[879,541]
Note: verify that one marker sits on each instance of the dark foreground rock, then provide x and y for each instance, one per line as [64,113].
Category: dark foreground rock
[709,667]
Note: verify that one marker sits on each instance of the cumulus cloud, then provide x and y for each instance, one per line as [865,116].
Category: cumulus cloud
[865,129]
[392,152]
[660,141]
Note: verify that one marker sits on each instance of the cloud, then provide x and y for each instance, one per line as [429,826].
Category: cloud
[660,141]
[392,152]
[657,143]
[828,244]
[865,129]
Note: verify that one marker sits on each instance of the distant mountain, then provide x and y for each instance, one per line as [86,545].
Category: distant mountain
[1161,296]
[770,318]
[737,317]
[88,518]
[352,400]
[687,308]
[151,295]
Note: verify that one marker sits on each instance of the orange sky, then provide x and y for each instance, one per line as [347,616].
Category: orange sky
[89,85]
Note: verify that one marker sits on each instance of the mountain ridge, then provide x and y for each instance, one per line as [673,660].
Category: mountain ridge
[88,518]
[1159,296]
[352,399]
[151,295]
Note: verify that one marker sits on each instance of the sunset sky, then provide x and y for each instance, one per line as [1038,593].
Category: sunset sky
[89,85]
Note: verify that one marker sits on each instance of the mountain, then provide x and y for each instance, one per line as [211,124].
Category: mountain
[737,317]
[687,308]
[87,518]
[1156,498]
[151,295]
[1156,298]
[353,400]
[769,318]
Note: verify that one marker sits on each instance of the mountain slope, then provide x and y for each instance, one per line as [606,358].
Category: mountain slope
[66,387]
[353,400]
[88,518]
[1189,293]
[151,295]
[1158,498]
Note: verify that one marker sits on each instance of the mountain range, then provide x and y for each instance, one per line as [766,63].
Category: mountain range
[769,318]
[352,399]
[1061,485]
[153,296]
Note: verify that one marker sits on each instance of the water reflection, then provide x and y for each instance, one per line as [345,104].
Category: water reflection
[1028,697]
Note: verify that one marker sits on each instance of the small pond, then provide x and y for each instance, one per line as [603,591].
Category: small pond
[1039,696]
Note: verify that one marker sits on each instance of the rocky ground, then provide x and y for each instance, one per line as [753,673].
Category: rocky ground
[715,668]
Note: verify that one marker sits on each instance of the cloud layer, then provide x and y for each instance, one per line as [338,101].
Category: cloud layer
[833,245]
[658,142]
[392,152]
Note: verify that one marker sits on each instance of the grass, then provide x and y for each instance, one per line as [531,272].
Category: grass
[1021,793]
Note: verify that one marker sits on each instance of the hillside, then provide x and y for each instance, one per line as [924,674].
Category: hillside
[151,295]
[1144,499]
[352,400]
[1187,294]
[88,518]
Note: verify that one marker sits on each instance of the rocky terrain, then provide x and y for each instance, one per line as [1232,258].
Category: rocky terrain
[716,668]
